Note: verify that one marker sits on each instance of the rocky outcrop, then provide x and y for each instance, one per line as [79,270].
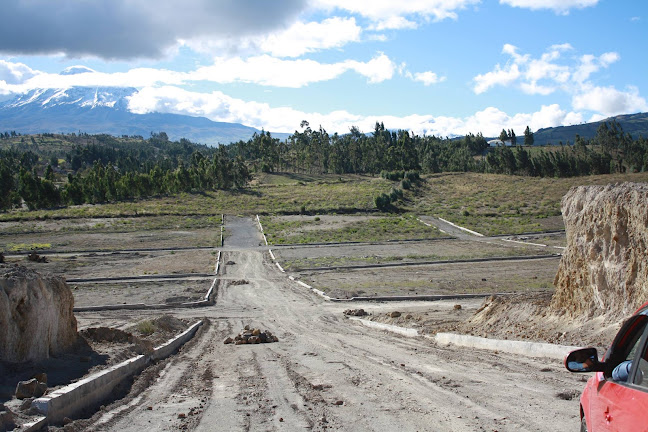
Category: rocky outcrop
[604,270]
[36,315]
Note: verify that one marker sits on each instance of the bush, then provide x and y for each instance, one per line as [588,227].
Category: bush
[146,327]
[383,202]
[406,184]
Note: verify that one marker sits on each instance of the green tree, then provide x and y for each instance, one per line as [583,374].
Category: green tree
[528,137]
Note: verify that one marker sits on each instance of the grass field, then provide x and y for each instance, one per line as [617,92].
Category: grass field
[316,229]
[487,203]
[499,204]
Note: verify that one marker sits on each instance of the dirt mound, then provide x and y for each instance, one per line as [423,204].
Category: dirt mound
[36,315]
[604,269]
[99,335]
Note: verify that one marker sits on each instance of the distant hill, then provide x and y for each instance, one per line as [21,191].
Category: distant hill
[634,124]
[105,110]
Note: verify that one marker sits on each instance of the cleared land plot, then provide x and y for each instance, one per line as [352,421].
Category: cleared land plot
[460,278]
[107,234]
[499,204]
[294,258]
[136,292]
[126,264]
[333,228]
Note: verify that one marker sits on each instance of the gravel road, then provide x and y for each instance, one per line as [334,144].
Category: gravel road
[328,372]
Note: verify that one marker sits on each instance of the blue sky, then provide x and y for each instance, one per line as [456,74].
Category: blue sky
[442,67]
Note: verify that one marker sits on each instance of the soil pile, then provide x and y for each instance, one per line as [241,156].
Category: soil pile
[36,315]
[604,269]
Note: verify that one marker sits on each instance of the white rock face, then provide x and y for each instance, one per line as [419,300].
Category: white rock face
[604,270]
[36,318]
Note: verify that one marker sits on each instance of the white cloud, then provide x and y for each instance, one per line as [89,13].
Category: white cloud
[302,37]
[220,107]
[381,11]
[590,64]
[498,76]
[261,70]
[428,78]
[15,73]
[561,7]
[394,23]
[609,101]
[547,74]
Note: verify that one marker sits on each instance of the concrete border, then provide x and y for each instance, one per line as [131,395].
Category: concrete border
[206,301]
[461,228]
[427,263]
[527,349]
[72,399]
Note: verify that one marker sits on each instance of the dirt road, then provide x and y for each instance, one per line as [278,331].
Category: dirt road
[330,373]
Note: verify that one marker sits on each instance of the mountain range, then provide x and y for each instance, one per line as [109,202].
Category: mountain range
[634,124]
[96,110]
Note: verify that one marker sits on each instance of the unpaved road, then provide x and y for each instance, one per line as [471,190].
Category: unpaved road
[330,373]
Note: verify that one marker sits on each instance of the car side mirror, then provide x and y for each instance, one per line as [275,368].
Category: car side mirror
[584,360]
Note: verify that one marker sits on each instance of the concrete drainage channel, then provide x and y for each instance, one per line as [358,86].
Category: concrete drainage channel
[74,398]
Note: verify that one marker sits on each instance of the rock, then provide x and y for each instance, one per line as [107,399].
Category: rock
[229,340]
[41,377]
[230,262]
[34,257]
[408,316]
[36,315]
[457,307]
[25,405]
[604,270]
[7,421]
[31,388]
[355,312]
[394,314]
[256,332]
[338,403]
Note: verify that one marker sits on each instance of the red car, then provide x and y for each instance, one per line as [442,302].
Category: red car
[616,397]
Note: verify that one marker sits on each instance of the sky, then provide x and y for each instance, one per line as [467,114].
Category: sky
[434,67]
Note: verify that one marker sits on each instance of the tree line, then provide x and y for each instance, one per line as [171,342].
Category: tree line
[100,168]
[115,171]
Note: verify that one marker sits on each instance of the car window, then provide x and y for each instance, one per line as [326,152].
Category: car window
[625,346]
[641,372]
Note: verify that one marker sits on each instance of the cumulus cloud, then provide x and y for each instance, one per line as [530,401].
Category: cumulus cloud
[609,101]
[221,107]
[427,78]
[15,73]
[302,37]
[561,7]
[498,76]
[124,29]
[261,70]
[384,12]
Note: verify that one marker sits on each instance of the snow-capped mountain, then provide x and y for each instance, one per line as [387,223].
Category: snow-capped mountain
[105,110]
[79,97]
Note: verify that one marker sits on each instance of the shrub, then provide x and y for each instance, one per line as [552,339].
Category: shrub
[146,327]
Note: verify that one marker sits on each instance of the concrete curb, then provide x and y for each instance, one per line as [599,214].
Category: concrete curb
[427,263]
[265,239]
[206,301]
[462,228]
[527,349]
[70,400]
[140,278]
